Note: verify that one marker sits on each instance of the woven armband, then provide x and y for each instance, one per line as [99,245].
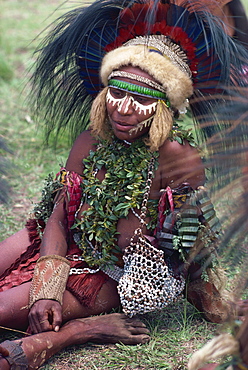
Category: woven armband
[49,280]
[16,356]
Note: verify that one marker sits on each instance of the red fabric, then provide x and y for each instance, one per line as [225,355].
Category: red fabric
[21,271]
[73,191]
[85,287]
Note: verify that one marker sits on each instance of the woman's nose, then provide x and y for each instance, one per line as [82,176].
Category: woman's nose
[125,107]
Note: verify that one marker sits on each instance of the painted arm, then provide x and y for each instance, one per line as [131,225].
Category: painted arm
[46,301]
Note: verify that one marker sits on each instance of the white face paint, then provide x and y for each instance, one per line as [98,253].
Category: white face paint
[130,100]
[141,125]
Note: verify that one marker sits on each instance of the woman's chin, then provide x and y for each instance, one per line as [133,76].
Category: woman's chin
[129,136]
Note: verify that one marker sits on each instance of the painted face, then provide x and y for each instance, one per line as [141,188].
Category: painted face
[141,104]
[130,112]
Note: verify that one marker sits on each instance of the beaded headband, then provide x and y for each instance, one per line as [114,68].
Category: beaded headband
[137,89]
[133,76]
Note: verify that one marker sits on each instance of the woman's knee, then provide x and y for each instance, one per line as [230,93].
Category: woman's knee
[108,297]
[106,300]
[14,307]
[12,247]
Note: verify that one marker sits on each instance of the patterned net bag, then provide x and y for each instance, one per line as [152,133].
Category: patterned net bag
[148,283]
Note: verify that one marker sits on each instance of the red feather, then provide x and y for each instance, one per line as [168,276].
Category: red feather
[133,24]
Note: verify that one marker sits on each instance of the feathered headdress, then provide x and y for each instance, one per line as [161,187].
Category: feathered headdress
[191,40]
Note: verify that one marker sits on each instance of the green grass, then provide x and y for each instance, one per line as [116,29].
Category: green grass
[175,332]
[21,22]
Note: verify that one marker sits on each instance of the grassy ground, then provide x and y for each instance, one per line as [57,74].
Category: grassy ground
[178,330]
[21,21]
[175,333]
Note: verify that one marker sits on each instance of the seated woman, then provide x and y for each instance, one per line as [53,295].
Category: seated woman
[130,198]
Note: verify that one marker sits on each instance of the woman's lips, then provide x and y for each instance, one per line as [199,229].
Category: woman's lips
[122,126]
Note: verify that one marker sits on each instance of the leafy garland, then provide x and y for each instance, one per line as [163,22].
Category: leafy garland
[180,134]
[44,208]
[122,189]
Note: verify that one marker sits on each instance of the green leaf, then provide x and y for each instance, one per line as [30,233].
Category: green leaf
[128,197]
[91,236]
[130,174]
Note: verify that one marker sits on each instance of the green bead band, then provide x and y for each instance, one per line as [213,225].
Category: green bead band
[139,90]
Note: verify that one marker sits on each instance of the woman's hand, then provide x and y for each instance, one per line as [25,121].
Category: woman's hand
[45,315]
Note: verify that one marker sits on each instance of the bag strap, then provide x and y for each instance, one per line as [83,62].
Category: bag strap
[138,231]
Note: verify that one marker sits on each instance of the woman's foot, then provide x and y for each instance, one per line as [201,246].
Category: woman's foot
[111,328]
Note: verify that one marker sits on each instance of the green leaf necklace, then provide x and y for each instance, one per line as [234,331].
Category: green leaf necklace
[121,190]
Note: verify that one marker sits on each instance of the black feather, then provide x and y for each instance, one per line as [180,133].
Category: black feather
[66,77]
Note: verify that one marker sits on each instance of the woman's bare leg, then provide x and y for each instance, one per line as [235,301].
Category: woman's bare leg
[13,307]
[14,302]
[12,247]
[112,328]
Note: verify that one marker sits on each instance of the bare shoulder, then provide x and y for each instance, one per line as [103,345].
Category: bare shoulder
[80,150]
[172,148]
[180,163]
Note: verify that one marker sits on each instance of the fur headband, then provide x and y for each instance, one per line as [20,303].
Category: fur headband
[178,84]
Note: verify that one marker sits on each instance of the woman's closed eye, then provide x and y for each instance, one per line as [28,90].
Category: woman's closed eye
[144,100]
[117,94]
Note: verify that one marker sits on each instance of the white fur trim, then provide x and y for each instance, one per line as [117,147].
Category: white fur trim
[177,84]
